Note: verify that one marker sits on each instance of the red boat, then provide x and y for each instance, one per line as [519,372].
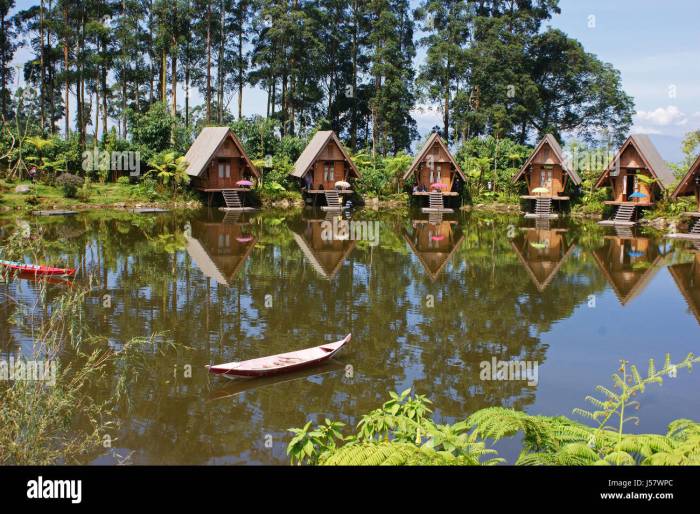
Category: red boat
[280,363]
[36,269]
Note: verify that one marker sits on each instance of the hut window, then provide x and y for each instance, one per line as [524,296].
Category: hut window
[328,171]
[435,174]
[224,169]
[545,177]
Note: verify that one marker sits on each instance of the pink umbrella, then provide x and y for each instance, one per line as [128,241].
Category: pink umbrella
[244,183]
[244,239]
[437,185]
[438,238]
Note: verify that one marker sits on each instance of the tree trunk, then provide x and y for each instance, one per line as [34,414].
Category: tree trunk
[208,92]
[66,102]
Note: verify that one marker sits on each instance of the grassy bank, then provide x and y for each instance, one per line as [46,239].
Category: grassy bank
[108,195]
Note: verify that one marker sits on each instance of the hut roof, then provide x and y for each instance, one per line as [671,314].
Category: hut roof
[205,147]
[682,187]
[541,281]
[651,157]
[314,148]
[550,140]
[326,272]
[434,137]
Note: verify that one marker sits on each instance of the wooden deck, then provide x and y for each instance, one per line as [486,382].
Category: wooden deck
[56,212]
[691,214]
[221,189]
[427,193]
[685,236]
[324,191]
[636,204]
[535,197]
[551,216]
[613,223]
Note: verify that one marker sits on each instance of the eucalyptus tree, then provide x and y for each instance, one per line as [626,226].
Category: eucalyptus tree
[8,44]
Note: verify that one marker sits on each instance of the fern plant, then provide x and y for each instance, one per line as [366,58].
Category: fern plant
[401,432]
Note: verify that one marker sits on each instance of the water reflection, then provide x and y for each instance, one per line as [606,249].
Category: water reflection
[220,247]
[226,288]
[324,251]
[629,262]
[433,240]
[687,278]
[542,250]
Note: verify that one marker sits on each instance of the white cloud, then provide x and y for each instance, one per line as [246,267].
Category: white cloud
[642,129]
[664,116]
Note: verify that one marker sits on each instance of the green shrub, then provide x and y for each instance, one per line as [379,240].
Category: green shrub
[69,183]
[124,181]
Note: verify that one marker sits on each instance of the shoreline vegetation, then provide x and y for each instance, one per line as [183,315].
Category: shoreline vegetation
[402,432]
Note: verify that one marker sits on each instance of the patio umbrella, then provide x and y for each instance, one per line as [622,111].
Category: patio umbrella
[540,190]
[538,246]
[437,185]
[244,239]
[637,194]
[635,254]
[244,183]
[342,184]
[438,238]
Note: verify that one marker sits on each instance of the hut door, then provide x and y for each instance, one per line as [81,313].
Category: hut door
[223,174]
[631,186]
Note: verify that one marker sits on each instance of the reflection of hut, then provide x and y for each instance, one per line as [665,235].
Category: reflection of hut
[637,158]
[546,169]
[220,249]
[434,164]
[690,185]
[322,246]
[687,278]
[216,162]
[542,252]
[324,162]
[434,241]
[628,263]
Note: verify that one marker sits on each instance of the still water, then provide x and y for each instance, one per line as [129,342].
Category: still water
[427,300]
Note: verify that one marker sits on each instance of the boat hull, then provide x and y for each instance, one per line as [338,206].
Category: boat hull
[281,363]
[38,270]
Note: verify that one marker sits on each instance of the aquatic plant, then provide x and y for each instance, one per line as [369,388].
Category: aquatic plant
[402,433]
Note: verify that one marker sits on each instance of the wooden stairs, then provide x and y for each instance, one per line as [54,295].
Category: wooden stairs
[543,209]
[623,216]
[436,203]
[696,228]
[233,201]
[332,201]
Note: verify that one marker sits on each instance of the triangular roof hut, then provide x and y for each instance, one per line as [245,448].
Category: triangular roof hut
[650,160]
[547,167]
[217,160]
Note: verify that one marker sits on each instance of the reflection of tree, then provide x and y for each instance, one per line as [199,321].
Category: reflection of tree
[485,306]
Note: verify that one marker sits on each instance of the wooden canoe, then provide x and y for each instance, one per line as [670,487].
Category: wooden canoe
[280,363]
[36,269]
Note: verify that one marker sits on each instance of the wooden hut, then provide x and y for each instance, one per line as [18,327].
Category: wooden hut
[219,249]
[546,169]
[628,263]
[687,278]
[542,251]
[690,185]
[216,162]
[322,164]
[636,158]
[434,164]
[434,241]
[326,255]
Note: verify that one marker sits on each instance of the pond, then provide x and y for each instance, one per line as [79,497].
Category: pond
[428,301]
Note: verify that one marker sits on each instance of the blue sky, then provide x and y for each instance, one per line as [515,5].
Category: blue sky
[655,44]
